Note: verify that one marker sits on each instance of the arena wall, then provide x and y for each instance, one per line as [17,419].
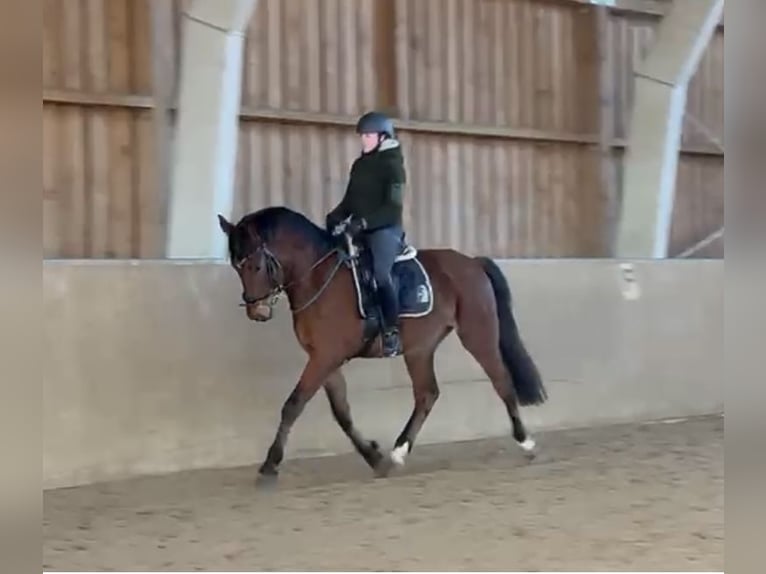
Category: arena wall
[151,366]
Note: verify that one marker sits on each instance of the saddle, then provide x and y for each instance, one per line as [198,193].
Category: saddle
[410,279]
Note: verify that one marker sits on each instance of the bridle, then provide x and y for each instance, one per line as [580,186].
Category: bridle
[275,274]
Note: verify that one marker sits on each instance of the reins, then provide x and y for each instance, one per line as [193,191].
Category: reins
[273,265]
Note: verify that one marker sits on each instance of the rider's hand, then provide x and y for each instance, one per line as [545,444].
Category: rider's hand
[356,225]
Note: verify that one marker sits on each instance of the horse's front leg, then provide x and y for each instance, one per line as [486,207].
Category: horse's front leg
[314,375]
[335,387]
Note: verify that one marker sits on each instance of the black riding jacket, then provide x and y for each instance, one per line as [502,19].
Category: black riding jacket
[375,188]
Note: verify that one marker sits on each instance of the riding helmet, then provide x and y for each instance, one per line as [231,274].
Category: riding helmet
[375,122]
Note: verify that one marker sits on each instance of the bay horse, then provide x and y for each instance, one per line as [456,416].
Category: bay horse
[277,250]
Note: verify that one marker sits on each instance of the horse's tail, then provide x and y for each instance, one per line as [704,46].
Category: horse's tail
[526,378]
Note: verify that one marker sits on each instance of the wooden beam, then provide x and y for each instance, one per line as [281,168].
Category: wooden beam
[645,7]
[620,144]
[653,8]
[661,81]
[423,127]
[248,113]
[77,98]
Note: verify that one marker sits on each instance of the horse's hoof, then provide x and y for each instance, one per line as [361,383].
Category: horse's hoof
[384,467]
[266,480]
[529,448]
[373,456]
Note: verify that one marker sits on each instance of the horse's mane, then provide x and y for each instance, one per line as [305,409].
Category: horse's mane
[278,220]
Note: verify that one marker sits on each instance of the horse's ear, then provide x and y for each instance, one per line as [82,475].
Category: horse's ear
[226,227]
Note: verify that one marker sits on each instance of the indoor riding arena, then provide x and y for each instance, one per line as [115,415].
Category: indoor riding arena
[577,144]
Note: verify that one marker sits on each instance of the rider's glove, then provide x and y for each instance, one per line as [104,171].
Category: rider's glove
[356,225]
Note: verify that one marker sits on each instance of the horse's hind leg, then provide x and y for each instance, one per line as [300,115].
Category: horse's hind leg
[477,336]
[335,387]
[426,391]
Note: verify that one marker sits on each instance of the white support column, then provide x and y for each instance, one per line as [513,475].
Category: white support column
[205,142]
[656,125]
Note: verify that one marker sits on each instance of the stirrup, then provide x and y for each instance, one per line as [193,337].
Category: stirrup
[391,343]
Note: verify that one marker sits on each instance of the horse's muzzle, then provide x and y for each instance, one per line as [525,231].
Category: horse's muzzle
[260,312]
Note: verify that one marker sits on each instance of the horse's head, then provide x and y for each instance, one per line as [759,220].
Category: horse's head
[259,270]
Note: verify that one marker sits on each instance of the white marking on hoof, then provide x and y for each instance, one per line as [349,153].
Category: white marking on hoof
[528,444]
[399,453]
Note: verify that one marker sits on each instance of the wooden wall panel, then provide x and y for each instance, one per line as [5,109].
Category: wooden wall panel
[97,46]
[506,198]
[311,56]
[99,186]
[704,103]
[699,205]
[101,196]
[514,63]
[302,167]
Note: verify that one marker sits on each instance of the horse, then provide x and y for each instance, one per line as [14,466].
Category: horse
[276,251]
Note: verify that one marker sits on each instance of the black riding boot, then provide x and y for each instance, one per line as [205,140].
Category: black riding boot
[389,306]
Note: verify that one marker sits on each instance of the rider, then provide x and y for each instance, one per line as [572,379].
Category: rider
[374,196]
